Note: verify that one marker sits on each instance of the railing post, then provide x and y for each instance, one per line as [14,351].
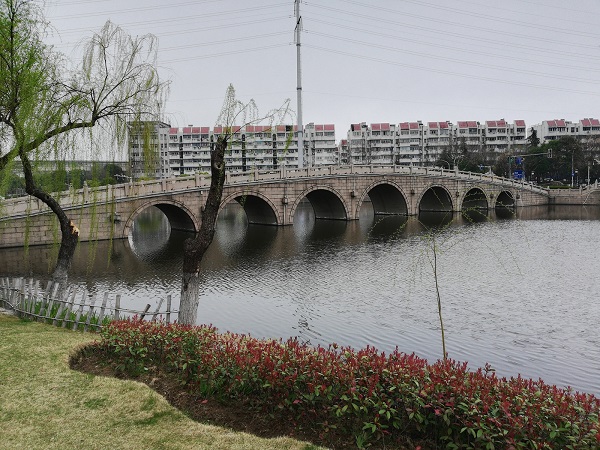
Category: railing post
[168,314]
[117,306]
[157,310]
[145,311]
[101,315]
[21,297]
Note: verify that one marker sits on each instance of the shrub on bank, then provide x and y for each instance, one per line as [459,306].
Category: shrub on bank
[365,393]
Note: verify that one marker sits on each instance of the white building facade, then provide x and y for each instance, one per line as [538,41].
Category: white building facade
[584,129]
[320,146]
[147,149]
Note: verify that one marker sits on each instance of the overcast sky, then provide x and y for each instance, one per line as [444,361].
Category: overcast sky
[364,60]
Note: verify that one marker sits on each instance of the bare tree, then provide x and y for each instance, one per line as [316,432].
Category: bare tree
[234,116]
[44,103]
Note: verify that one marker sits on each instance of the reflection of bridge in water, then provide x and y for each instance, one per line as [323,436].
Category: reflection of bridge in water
[272,198]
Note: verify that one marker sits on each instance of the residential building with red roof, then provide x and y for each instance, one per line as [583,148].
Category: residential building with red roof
[321,148]
[261,147]
[500,136]
[343,152]
[583,129]
[410,142]
[357,143]
[187,150]
[375,143]
[437,137]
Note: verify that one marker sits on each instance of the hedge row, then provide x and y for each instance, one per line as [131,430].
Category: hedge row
[363,392]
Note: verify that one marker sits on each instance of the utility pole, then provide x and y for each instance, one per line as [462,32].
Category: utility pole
[299,85]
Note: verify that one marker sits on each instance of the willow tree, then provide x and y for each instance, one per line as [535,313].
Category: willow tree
[45,102]
[234,116]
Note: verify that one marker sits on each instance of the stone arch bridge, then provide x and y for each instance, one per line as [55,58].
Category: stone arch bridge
[269,198]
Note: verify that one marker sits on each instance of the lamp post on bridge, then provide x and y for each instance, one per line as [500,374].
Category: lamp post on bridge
[444,161]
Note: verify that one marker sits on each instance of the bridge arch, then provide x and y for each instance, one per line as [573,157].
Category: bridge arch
[327,203]
[258,207]
[180,216]
[386,197]
[436,198]
[505,199]
[475,199]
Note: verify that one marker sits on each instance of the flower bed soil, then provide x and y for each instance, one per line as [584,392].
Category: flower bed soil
[241,418]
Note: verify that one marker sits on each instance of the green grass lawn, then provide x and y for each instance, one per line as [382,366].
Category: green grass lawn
[45,405]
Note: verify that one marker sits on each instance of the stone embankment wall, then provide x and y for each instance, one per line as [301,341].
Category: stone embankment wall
[575,197]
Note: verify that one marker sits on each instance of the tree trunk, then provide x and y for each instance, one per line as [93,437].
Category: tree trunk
[190,298]
[194,249]
[69,231]
[68,244]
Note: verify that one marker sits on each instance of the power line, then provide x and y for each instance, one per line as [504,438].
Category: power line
[537,16]
[269,20]
[445,22]
[461,50]
[421,102]
[220,54]
[463,12]
[163,21]
[461,61]
[224,41]
[446,33]
[130,10]
[447,72]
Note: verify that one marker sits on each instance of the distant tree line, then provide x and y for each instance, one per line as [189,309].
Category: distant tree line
[61,179]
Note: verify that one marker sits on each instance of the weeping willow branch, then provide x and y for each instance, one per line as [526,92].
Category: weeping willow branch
[47,108]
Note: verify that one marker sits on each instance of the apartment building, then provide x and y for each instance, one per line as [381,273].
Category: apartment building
[584,129]
[188,150]
[517,132]
[320,146]
[437,137]
[357,143]
[381,143]
[344,152]
[261,147]
[147,149]
[376,143]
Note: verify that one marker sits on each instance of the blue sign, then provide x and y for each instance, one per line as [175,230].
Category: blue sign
[518,160]
[518,174]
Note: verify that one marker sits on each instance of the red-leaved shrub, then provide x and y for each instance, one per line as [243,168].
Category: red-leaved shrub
[363,392]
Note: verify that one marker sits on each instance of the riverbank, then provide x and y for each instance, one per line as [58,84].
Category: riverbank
[46,405]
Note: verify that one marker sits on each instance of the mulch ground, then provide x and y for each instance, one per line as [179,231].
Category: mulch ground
[235,417]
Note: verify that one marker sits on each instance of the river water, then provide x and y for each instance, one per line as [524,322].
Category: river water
[519,291]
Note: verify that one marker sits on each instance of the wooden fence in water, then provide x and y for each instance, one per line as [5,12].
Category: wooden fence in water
[71,306]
